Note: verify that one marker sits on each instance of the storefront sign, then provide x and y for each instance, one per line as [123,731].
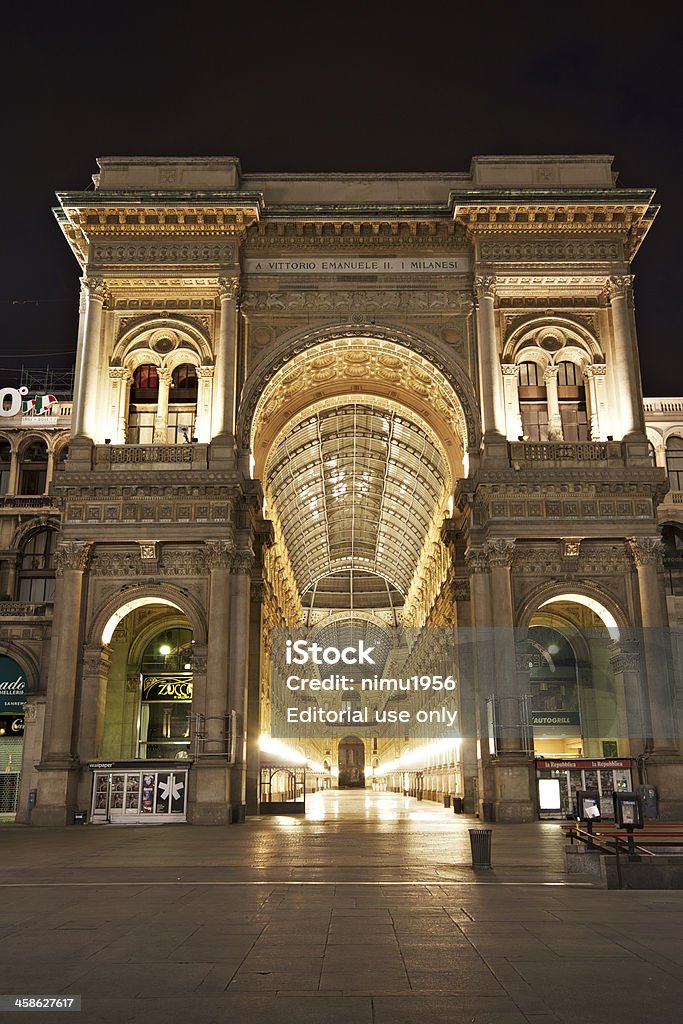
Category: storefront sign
[359,265]
[12,686]
[11,725]
[175,688]
[567,765]
[541,718]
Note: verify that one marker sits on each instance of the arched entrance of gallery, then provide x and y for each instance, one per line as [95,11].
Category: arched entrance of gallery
[137,730]
[585,699]
[358,442]
[351,763]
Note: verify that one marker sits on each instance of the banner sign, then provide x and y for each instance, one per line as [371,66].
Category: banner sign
[13,687]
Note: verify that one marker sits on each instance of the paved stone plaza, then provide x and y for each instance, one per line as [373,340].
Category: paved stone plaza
[366,912]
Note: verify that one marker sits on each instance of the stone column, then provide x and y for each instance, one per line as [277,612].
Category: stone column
[512,766]
[513,412]
[202,423]
[14,468]
[647,552]
[161,418]
[664,763]
[91,708]
[483,664]
[490,378]
[223,413]
[12,569]
[59,765]
[50,473]
[120,380]
[239,661]
[86,414]
[594,376]
[211,788]
[627,374]
[554,418]
[625,663]
[254,701]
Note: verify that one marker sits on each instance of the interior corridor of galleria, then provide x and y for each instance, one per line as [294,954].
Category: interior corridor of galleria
[403,411]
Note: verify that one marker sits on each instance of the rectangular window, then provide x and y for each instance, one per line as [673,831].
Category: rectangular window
[534,420]
[180,425]
[140,426]
[574,421]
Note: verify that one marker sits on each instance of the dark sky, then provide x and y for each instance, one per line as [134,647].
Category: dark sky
[319,87]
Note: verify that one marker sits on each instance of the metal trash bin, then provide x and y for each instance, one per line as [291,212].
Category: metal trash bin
[80,817]
[457,805]
[239,814]
[487,810]
[447,800]
[480,843]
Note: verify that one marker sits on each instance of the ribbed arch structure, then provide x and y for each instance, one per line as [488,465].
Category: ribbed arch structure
[355,483]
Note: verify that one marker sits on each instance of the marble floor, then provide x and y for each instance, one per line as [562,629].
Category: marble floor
[365,911]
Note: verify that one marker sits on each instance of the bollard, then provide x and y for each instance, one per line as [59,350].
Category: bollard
[480,843]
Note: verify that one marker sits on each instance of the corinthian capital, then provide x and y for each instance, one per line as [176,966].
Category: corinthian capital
[95,288]
[618,287]
[646,550]
[499,552]
[228,288]
[485,286]
[72,554]
[220,553]
[476,560]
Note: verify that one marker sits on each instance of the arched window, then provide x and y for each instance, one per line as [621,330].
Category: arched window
[166,698]
[533,402]
[182,404]
[33,476]
[571,393]
[36,568]
[144,395]
[674,462]
[5,465]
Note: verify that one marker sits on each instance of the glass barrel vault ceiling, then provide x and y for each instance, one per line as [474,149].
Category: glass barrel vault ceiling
[355,486]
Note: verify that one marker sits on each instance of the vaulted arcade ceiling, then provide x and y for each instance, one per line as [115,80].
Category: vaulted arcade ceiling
[355,486]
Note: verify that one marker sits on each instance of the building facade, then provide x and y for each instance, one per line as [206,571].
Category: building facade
[301,400]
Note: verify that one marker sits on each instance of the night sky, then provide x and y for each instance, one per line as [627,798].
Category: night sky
[315,87]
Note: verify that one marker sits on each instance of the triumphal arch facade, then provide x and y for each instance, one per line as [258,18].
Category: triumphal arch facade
[407,400]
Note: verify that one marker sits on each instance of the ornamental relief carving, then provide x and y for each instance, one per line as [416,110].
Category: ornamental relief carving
[358,235]
[594,558]
[172,562]
[551,249]
[409,301]
[365,364]
[201,323]
[164,252]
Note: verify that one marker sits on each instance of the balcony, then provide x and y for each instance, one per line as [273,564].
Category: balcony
[28,502]
[116,457]
[524,454]
[21,610]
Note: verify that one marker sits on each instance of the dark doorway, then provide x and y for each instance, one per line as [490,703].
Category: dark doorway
[351,763]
